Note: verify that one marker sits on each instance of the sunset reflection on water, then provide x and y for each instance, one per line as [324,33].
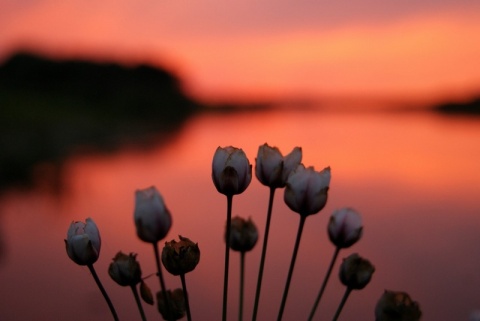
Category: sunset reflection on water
[414,177]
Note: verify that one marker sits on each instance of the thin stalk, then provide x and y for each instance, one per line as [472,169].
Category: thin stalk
[162,282]
[264,252]
[104,293]
[185,294]
[292,265]
[242,283]
[139,303]
[324,284]
[340,307]
[227,256]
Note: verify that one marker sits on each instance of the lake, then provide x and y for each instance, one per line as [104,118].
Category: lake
[414,177]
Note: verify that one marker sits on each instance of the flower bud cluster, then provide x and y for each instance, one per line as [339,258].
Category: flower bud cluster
[306,193]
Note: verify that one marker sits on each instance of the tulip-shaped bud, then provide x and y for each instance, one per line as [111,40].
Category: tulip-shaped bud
[125,270]
[307,189]
[83,242]
[272,168]
[243,234]
[152,218]
[345,227]
[231,171]
[397,306]
[356,272]
[177,304]
[180,257]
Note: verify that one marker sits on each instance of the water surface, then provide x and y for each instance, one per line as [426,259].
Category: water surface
[414,177]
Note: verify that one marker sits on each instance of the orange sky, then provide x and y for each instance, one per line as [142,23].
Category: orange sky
[242,52]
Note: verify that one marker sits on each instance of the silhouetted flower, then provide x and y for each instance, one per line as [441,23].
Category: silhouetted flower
[272,168]
[307,190]
[180,257]
[356,272]
[345,227]
[244,234]
[125,270]
[83,242]
[397,306]
[152,218]
[177,304]
[231,170]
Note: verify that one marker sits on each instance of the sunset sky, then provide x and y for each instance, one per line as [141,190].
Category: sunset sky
[257,49]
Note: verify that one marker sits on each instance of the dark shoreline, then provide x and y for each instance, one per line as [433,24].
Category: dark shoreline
[51,109]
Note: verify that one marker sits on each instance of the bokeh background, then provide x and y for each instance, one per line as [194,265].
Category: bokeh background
[98,99]
[409,49]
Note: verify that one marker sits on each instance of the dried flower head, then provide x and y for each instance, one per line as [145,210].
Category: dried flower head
[397,306]
[356,272]
[177,304]
[125,269]
[180,257]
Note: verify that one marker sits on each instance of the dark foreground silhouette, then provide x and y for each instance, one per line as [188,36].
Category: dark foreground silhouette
[471,107]
[50,108]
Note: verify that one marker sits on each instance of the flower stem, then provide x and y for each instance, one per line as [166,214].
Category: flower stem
[139,303]
[185,294]
[242,283]
[227,256]
[292,265]
[264,252]
[324,284]
[342,303]
[104,293]
[162,282]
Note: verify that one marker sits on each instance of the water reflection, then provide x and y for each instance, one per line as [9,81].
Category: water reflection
[414,177]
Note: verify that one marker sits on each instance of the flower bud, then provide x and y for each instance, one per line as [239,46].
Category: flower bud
[177,304]
[356,272]
[272,169]
[306,191]
[231,171]
[243,234]
[345,227]
[152,218]
[146,293]
[180,257]
[125,270]
[397,306]
[83,242]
